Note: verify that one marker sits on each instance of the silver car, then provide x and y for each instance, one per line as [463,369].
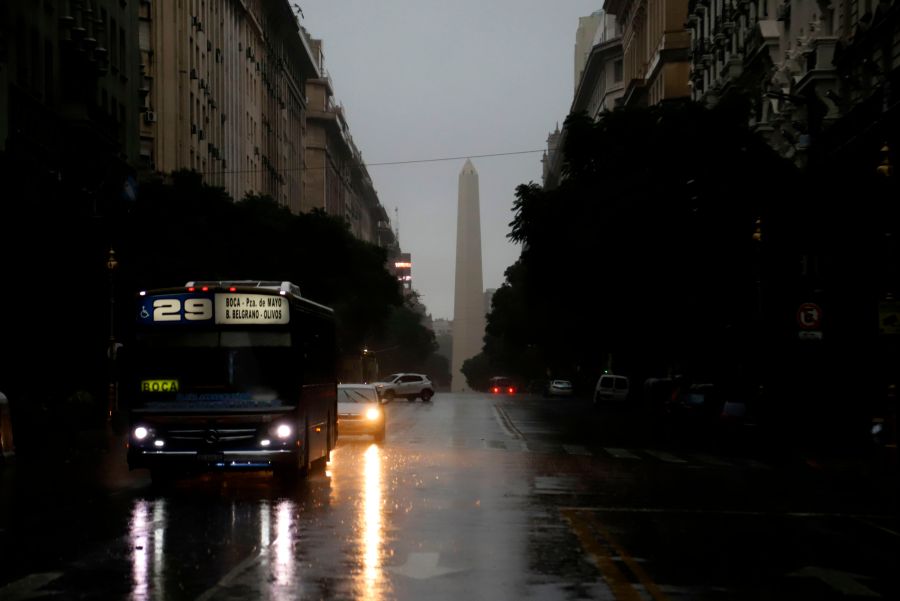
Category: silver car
[559,388]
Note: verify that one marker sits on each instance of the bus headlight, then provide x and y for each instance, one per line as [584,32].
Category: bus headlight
[283,431]
[373,414]
[140,433]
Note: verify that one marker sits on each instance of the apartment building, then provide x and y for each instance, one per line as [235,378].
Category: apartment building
[655,47]
[69,97]
[599,84]
[336,176]
[224,94]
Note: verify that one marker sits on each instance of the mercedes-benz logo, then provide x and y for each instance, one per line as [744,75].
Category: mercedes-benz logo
[211,437]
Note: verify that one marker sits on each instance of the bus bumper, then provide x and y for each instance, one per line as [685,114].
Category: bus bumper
[245,459]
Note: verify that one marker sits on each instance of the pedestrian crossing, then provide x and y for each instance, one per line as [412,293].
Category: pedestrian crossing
[628,456]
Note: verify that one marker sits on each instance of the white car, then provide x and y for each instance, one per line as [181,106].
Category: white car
[360,410]
[611,388]
[407,386]
[559,388]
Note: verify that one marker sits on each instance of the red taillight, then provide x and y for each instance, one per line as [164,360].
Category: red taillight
[205,289]
[232,289]
[512,390]
[495,390]
[191,289]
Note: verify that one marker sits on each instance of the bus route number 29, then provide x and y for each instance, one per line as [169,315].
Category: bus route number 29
[173,309]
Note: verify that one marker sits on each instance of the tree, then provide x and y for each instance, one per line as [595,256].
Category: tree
[643,259]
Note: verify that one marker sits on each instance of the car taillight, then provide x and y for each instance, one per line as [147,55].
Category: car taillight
[512,390]
[495,390]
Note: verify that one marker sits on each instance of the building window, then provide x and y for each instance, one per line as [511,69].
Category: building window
[37,78]
[48,71]
[618,71]
[113,48]
[123,62]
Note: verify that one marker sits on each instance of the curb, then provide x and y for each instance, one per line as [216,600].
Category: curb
[7,447]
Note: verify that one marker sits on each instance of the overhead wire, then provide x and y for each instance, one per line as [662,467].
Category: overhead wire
[379,164]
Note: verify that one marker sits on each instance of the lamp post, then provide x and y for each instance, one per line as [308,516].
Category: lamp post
[112,402]
[364,354]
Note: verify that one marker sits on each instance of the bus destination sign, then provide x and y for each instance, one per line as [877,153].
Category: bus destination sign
[232,308]
[256,309]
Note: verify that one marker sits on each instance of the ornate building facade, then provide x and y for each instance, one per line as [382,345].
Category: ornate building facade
[817,72]
[655,47]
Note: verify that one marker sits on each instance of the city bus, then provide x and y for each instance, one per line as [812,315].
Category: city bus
[231,375]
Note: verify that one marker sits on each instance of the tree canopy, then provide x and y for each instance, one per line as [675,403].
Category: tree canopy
[643,259]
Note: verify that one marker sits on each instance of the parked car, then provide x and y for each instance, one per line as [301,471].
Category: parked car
[658,394]
[697,409]
[502,385]
[360,410]
[611,388]
[405,385]
[559,388]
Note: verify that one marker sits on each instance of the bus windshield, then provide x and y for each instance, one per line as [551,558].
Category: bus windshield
[227,369]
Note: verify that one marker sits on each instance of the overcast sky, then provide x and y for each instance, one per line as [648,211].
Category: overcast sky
[424,79]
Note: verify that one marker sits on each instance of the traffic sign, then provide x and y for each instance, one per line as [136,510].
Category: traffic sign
[809,316]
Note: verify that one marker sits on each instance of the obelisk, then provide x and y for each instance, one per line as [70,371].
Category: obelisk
[468,306]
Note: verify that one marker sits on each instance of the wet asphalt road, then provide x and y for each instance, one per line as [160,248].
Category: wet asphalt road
[470,497]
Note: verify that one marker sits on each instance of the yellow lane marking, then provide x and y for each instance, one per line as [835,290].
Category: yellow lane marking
[587,527]
[615,579]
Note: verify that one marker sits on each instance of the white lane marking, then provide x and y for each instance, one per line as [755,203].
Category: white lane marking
[236,571]
[574,449]
[496,445]
[243,566]
[843,582]
[554,485]
[736,512]
[667,457]
[27,587]
[872,524]
[421,566]
[621,453]
[710,460]
[547,448]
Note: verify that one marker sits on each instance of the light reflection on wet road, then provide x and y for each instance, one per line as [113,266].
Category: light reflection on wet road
[372,533]
[469,497]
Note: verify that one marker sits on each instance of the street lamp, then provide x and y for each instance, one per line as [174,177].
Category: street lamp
[111,265]
[885,169]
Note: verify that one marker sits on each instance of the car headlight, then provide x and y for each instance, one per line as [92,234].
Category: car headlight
[283,431]
[140,433]
[373,414]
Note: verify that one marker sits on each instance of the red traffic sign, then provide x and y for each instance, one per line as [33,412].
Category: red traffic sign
[809,316]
